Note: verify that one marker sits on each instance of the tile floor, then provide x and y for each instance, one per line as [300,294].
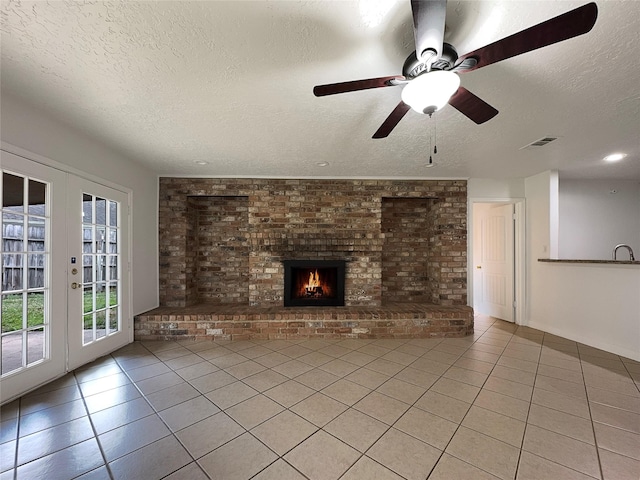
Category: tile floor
[508,403]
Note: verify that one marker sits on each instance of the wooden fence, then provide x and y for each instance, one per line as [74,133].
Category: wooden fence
[15,255]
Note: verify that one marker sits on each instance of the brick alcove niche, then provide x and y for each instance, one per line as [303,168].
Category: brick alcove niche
[223,241]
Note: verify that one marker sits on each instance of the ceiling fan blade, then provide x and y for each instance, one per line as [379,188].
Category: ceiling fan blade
[473,107]
[428,28]
[392,120]
[343,87]
[563,27]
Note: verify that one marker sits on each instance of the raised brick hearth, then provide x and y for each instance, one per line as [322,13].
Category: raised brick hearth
[227,322]
[223,241]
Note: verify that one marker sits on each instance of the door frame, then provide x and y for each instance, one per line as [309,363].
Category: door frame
[48,162]
[519,276]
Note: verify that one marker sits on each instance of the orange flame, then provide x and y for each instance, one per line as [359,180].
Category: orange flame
[314,280]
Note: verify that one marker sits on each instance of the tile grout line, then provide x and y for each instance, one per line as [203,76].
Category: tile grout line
[318,429]
[390,426]
[526,421]
[171,432]
[467,412]
[571,414]
[361,454]
[593,428]
[248,431]
[15,455]
[93,428]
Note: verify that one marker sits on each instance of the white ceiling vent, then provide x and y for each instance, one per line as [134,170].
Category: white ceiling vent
[541,142]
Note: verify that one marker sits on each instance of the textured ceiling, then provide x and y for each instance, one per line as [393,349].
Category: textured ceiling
[230,83]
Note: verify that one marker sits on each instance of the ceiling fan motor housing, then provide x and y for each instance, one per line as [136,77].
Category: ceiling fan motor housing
[413,67]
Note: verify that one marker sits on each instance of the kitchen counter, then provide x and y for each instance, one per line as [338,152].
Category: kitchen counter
[607,262]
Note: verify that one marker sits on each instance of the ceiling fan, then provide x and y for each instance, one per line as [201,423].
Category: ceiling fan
[430,73]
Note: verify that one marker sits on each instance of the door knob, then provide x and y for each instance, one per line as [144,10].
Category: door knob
[74,285]
[74,271]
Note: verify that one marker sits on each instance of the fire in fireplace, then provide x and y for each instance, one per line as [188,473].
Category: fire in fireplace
[309,283]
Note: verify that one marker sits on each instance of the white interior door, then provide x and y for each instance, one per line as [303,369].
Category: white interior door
[494,251]
[33,300]
[98,266]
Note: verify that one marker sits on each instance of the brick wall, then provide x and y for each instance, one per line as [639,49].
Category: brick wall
[307,219]
[408,233]
[220,249]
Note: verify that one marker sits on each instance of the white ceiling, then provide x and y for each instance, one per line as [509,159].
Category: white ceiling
[169,83]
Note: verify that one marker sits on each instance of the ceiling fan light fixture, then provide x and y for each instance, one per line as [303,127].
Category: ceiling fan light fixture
[430,91]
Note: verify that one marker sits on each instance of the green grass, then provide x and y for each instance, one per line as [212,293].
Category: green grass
[12,310]
[101,300]
[101,303]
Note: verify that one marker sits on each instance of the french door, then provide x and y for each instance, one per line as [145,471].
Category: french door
[97,266]
[64,299]
[33,301]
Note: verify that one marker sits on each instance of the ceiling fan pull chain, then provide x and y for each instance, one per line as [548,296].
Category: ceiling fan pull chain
[435,135]
[430,138]
[430,164]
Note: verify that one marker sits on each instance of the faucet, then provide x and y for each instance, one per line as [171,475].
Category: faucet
[623,245]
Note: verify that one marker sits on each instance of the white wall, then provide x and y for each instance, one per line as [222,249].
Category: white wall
[478,188]
[541,195]
[597,305]
[593,219]
[28,128]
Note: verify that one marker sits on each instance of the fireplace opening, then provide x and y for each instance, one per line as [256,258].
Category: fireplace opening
[309,283]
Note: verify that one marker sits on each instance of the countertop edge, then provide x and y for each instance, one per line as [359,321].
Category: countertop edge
[599,262]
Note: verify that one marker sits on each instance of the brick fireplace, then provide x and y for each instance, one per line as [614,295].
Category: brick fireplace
[223,243]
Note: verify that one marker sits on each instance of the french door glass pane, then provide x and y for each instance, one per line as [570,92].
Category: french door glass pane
[114,323]
[101,211]
[101,267]
[87,208]
[37,196]
[12,191]
[113,214]
[36,270]
[101,323]
[12,312]
[87,321]
[11,352]
[25,259]
[35,345]
[35,309]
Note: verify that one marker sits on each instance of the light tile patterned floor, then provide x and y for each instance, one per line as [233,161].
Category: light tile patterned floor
[507,403]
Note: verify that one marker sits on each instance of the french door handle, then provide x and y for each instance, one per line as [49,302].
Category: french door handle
[75,285]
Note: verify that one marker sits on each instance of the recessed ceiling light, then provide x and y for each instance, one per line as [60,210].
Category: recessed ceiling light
[322,164]
[614,157]
[200,162]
